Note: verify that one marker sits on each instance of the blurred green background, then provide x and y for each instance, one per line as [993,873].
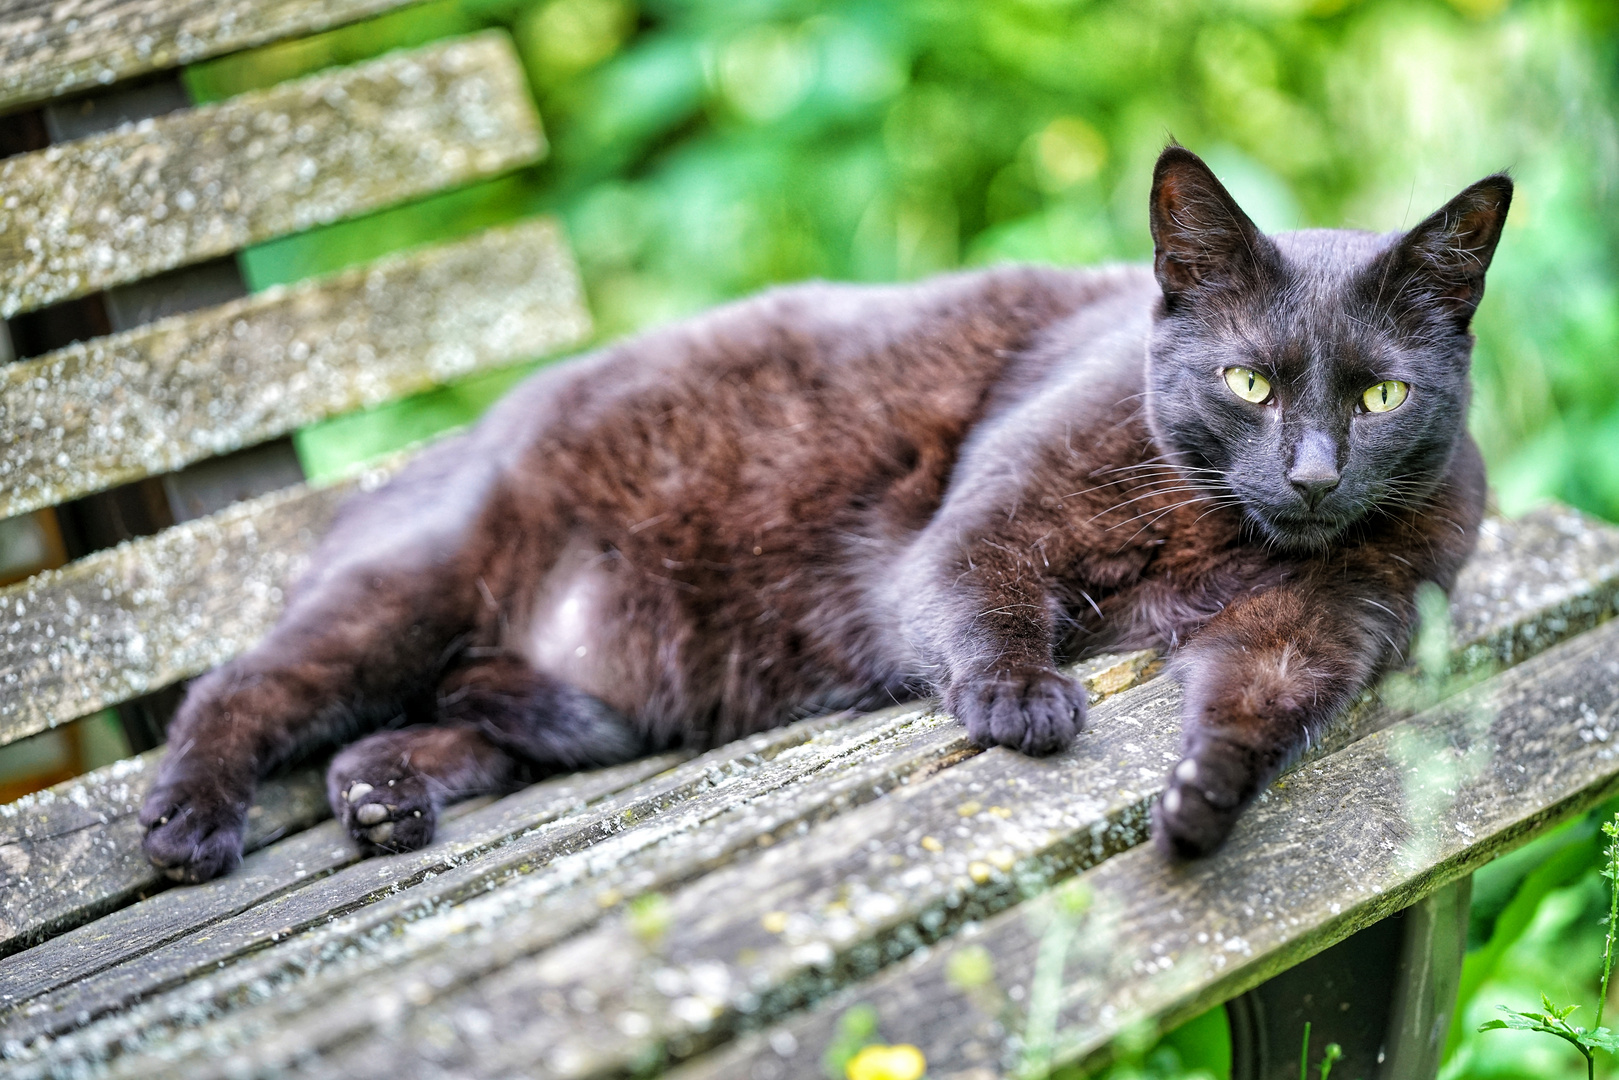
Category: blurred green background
[703,149]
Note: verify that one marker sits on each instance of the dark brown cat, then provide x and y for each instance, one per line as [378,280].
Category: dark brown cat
[834,496]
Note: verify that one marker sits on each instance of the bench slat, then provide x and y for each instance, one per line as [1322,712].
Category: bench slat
[467,830]
[195,184]
[1348,840]
[137,617]
[698,816]
[162,396]
[72,852]
[53,47]
[441,943]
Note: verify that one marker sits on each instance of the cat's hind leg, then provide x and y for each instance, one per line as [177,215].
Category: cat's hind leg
[504,723]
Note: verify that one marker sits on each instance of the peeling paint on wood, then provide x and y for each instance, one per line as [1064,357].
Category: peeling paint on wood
[204,182]
[157,398]
[53,47]
[1349,840]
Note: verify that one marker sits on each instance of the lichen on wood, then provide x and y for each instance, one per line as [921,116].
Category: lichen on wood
[54,47]
[1348,840]
[159,397]
[123,205]
[72,852]
[137,617]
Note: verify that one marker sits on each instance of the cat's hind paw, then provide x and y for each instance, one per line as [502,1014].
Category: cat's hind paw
[194,827]
[385,803]
[1037,711]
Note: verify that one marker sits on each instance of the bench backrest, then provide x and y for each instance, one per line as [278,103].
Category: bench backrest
[184,387]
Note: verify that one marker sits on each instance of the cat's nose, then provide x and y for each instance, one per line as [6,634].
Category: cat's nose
[1315,468]
[1313,486]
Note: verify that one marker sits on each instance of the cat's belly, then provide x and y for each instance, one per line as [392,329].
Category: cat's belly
[573,629]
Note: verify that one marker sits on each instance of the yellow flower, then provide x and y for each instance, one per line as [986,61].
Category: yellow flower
[902,1062]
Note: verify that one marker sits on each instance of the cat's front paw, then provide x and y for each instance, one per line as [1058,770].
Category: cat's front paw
[194,822]
[1203,796]
[1037,710]
[385,803]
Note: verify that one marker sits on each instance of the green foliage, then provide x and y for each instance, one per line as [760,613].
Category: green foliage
[702,149]
[1554,1019]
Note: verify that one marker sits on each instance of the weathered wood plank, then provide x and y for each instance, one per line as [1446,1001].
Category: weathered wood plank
[191,185]
[1554,561]
[699,816]
[757,938]
[680,801]
[154,399]
[53,47]
[1347,841]
[148,613]
[72,852]
[272,875]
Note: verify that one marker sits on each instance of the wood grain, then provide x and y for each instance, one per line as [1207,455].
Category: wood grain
[137,617]
[72,852]
[53,47]
[191,185]
[162,396]
[278,878]
[696,817]
[1345,842]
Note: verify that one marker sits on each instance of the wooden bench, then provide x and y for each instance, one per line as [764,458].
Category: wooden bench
[717,916]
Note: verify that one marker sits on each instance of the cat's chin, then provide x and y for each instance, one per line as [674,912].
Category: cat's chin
[1300,533]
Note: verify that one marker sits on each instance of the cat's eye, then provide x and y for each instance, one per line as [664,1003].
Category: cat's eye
[1385,396]
[1247,384]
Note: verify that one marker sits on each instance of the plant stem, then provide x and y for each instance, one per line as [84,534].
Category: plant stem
[1613,922]
[1304,1054]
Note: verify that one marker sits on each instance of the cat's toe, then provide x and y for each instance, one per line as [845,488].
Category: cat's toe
[194,828]
[1037,712]
[1198,808]
[384,804]
[395,815]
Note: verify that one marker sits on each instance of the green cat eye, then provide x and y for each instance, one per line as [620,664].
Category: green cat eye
[1385,396]
[1247,384]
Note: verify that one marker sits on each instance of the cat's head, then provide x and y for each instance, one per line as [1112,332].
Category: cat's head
[1316,375]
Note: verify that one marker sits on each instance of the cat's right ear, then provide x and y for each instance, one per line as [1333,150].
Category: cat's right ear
[1200,236]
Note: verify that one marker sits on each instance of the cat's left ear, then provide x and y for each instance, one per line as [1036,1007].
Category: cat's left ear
[1441,262]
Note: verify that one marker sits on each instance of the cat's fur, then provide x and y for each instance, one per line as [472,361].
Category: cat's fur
[834,496]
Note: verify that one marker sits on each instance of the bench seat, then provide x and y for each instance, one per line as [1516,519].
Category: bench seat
[661,908]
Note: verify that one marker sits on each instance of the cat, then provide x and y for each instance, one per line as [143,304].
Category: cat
[1250,455]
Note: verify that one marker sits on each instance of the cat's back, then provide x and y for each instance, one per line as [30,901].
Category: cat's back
[825,353]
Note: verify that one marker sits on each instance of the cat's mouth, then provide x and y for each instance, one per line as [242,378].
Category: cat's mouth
[1301,530]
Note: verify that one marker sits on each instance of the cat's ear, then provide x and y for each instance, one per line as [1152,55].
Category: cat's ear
[1200,236]
[1440,264]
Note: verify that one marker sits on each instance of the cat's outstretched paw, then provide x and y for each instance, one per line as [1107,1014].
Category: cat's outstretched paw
[384,802]
[1203,797]
[1037,711]
[194,825]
